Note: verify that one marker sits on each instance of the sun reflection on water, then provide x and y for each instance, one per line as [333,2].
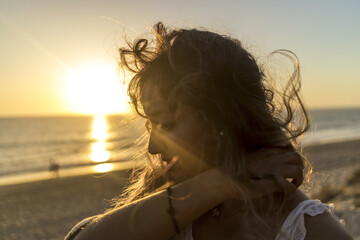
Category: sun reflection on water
[98,148]
[99,129]
[103,167]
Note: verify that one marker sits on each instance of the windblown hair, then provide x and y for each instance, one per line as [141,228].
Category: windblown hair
[214,75]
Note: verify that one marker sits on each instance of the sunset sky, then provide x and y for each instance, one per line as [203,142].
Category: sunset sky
[59,57]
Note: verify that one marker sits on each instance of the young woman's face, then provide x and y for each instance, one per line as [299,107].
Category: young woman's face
[177,136]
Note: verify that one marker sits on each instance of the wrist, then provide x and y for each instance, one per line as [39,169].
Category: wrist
[220,184]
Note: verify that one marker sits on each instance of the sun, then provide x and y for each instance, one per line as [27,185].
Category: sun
[95,88]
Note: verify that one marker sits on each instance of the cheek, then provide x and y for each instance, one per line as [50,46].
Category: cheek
[191,154]
[190,138]
[192,131]
[187,140]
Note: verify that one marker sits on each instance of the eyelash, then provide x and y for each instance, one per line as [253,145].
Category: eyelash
[167,126]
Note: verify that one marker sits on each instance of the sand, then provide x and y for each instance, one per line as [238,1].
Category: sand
[49,209]
[336,180]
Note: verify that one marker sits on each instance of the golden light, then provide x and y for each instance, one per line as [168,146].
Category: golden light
[104,167]
[95,88]
[99,132]
[98,152]
[99,128]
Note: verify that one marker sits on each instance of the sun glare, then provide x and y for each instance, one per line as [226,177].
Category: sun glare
[98,152]
[99,129]
[95,89]
[100,134]
[104,167]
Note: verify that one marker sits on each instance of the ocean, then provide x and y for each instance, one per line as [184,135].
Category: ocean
[77,144]
[333,125]
[83,144]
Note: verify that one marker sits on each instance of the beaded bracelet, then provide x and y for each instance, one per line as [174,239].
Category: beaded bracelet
[171,209]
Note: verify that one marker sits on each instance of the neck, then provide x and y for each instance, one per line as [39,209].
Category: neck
[234,206]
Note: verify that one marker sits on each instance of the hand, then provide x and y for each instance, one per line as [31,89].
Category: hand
[277,166]
[268,171]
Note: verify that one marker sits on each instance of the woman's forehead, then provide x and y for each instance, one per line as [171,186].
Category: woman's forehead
[153,109]
[152,100]
[150,92]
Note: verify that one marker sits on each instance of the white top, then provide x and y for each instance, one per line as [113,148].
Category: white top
[293,227]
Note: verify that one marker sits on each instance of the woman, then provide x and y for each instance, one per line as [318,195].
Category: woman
[221,150]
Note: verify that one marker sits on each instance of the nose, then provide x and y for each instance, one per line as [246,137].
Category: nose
[156,144]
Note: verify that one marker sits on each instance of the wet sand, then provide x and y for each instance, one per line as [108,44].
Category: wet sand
[49,209]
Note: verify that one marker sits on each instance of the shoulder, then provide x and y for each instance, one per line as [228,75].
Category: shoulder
[324,226]
[315,219]
[78,227]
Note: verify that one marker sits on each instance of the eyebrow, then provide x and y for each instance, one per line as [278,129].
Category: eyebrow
[157,112]
[154,113]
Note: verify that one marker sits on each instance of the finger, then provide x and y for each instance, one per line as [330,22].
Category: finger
[270,161]
[282,185]
[289,190]
[298,180]
[262,187]
[276,150]
[292,172]
[289,171]
[291,158]
[286,187]
[171,163]
[295,173]
[264,153]
[286,171]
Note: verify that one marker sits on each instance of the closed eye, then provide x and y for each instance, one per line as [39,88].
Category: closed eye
[166,126]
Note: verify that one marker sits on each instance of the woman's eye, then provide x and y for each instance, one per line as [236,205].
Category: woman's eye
[166,126]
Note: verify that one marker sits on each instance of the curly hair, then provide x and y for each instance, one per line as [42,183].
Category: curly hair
[214,75]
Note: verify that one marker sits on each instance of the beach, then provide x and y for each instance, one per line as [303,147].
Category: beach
[48,209]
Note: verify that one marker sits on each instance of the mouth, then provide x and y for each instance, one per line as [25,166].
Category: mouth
[166,159]
[169,162]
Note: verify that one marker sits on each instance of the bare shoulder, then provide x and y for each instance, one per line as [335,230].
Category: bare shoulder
[325,226]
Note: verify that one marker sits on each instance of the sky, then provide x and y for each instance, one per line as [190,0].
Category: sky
[59,57]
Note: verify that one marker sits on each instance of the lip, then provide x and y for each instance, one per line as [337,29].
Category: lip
[169,159]
[166,159]
[169,162]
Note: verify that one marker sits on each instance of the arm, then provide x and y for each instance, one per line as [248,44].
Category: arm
[148,217]
[325,226]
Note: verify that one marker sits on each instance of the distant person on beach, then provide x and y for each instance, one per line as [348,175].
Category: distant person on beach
[54,167]
[223,158]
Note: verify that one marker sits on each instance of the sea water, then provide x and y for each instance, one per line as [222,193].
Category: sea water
[77,144]
[29,146]
[333,125]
